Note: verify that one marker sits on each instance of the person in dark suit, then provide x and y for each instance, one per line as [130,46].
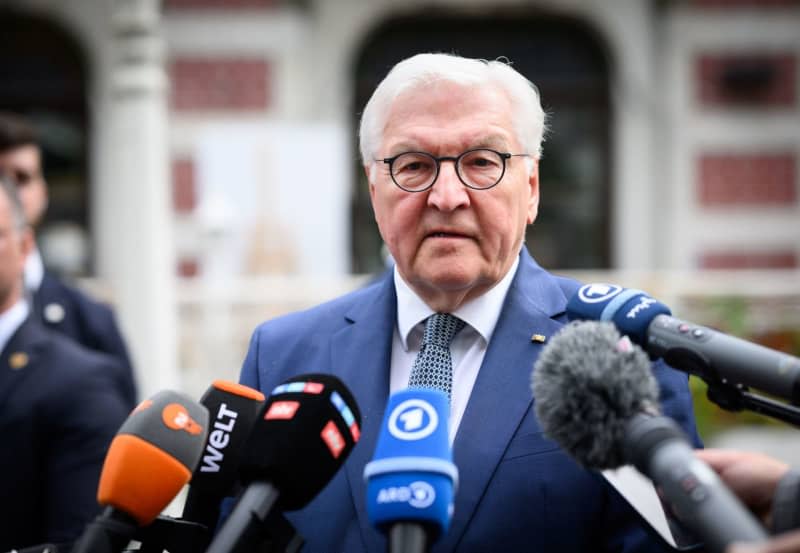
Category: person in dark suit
[59,409]
[55,303]
[451,148]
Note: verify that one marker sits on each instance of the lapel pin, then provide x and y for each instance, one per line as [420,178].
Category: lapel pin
[539,338]
[18,360]
[54,313]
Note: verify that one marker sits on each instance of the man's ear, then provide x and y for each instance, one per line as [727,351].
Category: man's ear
[369,172]
[533,183]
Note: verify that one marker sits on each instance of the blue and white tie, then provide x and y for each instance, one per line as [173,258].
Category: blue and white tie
[433,367]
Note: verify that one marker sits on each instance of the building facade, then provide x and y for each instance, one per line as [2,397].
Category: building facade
[196,143]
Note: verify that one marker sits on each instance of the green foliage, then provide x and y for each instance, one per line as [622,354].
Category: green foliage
[712,419]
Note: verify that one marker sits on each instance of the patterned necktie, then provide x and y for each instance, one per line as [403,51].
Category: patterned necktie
[433,367]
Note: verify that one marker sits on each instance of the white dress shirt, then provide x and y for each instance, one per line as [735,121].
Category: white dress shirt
[34,271]
[11,320]
[467,349]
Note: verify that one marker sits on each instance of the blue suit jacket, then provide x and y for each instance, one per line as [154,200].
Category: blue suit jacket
[59,410]
[88,322]
[518,491]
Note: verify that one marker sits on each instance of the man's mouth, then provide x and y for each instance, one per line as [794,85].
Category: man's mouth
[445,235]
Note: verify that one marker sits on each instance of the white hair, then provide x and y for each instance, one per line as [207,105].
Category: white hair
[423,69]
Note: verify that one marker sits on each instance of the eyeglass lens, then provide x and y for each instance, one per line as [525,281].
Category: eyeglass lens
[476,168]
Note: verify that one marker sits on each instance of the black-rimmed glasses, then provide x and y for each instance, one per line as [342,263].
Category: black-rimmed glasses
[479,169]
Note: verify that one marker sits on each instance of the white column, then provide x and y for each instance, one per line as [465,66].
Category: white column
[627,25]
[132,206]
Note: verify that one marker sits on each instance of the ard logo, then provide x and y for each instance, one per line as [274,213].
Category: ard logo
[597,293]
[419,495]
[413,419]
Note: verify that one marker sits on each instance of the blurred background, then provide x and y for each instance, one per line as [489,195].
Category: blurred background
[204,175]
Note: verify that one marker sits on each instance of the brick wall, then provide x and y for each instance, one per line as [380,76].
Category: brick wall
[219,83]
[188,267]
[184,194]
[753,79]
[746,82]
[768,179]
[184,200]
[781,259]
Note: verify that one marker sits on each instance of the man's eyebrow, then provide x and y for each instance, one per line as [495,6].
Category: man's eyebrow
[494,141]
[491,141]
[402,147]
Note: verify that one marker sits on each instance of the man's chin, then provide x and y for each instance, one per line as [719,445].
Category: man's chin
[450,279]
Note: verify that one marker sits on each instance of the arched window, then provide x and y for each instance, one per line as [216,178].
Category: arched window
[44,78]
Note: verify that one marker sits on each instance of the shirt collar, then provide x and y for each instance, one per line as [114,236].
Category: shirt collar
[11,320]
[480,313]
[34,270]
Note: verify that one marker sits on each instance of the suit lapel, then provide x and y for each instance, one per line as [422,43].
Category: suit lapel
[502,394]
[50,304]
[18,359]
[361,354]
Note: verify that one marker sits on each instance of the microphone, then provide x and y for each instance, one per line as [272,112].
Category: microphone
[148,462]
[306,429]
[233,410]
[691,348]
[411,479]
[594,394]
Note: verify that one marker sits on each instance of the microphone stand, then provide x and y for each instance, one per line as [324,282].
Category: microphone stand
[737,398]
[731,396]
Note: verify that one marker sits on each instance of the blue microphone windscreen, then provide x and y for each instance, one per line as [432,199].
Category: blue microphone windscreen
[630,310]
[412,476]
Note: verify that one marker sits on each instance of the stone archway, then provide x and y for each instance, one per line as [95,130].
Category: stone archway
[44,77]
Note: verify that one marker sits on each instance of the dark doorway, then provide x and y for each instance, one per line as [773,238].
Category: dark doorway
[568,62]
[43,76]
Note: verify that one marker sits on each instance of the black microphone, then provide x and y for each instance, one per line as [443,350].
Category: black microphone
[306,429]
[692,348]
[233,410]
[595,395]
[148,462]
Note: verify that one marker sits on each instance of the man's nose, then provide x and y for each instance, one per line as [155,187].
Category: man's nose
[448,192]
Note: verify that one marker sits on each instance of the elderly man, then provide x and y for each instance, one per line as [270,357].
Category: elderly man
[451,150]
[59,409]
[58,305]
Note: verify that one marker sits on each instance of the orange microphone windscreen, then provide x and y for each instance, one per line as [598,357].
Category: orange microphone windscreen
[139,478]
[153,455]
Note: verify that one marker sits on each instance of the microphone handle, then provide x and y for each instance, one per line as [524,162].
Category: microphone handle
[110,532]
[657,447]
[408,537]
[245,524]
[713,355]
